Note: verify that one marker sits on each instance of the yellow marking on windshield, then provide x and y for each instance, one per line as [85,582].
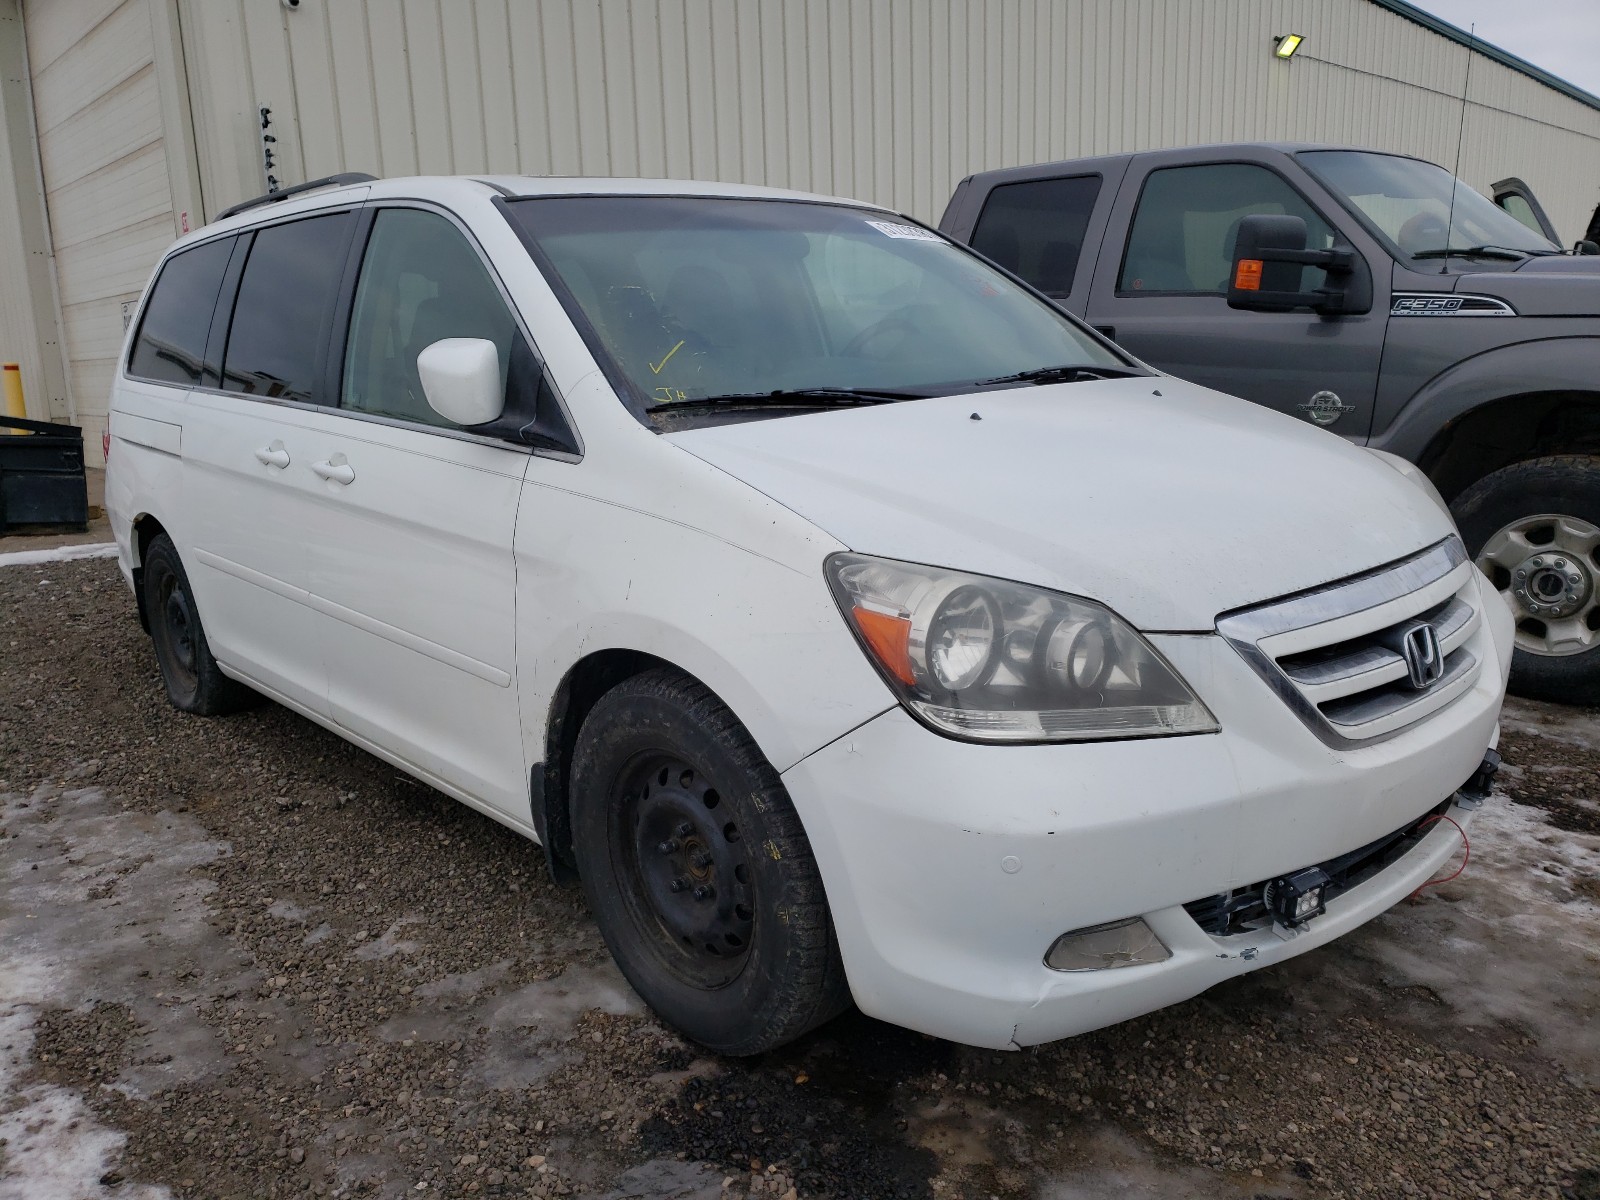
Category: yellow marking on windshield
[655,368]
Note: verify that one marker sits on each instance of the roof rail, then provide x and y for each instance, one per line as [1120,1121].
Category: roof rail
[284,193]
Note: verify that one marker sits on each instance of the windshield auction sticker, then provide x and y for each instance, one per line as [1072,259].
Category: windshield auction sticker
[909,233]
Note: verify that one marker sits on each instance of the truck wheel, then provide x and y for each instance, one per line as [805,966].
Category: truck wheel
[194,682]
[698,871]
[1534,529]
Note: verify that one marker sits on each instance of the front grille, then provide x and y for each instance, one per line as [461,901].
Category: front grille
[1244,909]
[1336,655]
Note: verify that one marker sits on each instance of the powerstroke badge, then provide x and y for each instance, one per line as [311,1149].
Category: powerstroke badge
[1325,408]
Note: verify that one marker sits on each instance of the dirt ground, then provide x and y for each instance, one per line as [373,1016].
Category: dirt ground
[240,958]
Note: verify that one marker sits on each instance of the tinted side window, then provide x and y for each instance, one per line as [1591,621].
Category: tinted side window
[421,281]
[171,344]
[286,297]
[1188,218]
[1036,229]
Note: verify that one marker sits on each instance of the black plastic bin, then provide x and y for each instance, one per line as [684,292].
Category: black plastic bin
[41,475]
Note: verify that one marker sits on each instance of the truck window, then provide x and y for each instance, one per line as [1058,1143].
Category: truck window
[1188,217]
[1035,229]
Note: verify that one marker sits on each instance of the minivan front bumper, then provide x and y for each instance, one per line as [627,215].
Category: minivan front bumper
[952,867]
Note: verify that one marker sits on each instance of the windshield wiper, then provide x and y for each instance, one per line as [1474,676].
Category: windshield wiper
[1504,252]
[819,397]
[1063,375]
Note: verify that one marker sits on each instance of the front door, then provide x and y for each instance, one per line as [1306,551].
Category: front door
[413,573]
[1161,283]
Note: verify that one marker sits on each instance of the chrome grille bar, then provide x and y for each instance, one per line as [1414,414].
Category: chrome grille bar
[1336,655]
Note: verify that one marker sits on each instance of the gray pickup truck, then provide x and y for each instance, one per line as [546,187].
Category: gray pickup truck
[1368,293]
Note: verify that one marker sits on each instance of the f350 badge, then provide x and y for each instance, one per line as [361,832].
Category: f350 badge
[1325,408]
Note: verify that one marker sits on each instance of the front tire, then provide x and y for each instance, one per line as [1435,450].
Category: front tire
[195,684]
[1534,529]
[698,871]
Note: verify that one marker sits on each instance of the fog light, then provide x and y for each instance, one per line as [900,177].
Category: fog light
[1128,943]
[1295,899]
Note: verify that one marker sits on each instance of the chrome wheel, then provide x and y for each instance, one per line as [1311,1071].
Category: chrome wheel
[1545,567]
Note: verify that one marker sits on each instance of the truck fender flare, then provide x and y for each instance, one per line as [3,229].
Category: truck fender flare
[1526,367]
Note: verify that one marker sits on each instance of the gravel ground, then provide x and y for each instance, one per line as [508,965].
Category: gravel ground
[239,957]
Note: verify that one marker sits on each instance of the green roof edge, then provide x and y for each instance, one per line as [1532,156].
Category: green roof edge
[1428,21]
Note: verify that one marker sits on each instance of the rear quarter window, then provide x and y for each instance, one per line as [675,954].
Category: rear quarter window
[170,346]
[1035,229]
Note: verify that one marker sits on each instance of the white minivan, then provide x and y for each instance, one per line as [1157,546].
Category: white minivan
[850,620]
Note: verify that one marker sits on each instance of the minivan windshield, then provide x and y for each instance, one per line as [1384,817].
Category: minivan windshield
[1407,203]
[698,301]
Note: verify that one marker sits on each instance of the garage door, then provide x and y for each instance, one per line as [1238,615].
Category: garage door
[98,113]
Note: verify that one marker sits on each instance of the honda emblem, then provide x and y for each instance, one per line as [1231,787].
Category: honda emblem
[1424,659]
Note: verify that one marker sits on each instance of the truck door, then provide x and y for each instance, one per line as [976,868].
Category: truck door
[1517,198]
[1160,289]
[1041,231]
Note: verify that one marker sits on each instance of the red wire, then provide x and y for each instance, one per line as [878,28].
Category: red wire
[1465,857]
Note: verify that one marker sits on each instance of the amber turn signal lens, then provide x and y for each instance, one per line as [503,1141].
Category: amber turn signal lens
[889,639]
[1247,277]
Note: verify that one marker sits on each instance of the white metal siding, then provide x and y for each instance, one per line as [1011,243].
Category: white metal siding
[889,100]
[97,110]
[27,292]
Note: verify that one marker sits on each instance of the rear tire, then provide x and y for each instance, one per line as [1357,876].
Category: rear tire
[1534,528]
[698,871]
[195,684]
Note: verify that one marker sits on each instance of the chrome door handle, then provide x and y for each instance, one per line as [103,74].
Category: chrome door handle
[273,456]
[339,472]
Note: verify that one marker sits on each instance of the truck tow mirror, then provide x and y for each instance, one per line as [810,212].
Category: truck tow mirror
[1269,256]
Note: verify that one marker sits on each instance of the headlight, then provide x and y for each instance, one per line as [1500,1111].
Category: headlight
[994,661]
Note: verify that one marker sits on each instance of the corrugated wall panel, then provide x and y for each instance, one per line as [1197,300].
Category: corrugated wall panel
[98,117]
[29,323]
[890,100]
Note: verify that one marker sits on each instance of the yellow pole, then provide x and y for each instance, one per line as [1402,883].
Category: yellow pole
[13,394]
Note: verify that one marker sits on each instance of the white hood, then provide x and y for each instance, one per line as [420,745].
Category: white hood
[1168,508]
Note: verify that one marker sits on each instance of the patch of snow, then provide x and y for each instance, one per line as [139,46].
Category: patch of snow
[1574,726]
[1512,939]
[530,1028]
[391,943]
[96,904]
[28,558]
[664,1179]
[54,1149]
[1116,1165]
[287,910]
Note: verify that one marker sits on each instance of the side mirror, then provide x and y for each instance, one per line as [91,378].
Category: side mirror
[1585,246]
[461,379]
[1268,257]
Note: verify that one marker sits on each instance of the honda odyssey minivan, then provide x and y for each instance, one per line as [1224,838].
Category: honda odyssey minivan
[851,621]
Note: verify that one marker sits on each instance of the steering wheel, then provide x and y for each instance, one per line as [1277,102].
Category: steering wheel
[876,330]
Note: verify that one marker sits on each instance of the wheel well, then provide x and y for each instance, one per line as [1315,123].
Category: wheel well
[145,530]
[1510,430]
[588,680]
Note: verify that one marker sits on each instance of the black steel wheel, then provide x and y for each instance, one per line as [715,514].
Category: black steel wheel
[698,870]
[193,680]
[684,867]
